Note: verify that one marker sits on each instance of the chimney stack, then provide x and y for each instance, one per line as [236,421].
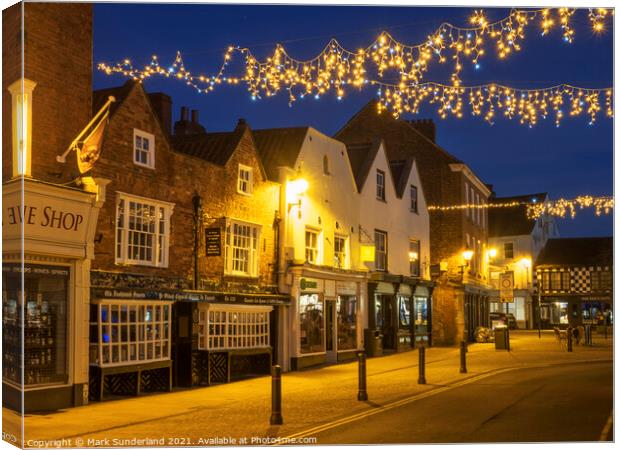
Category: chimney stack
[162,106]
[184,126]
[425,126]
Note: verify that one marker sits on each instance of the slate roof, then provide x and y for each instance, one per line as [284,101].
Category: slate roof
[589,251]
[361,157]
[216,148]
[279,147]
[512,221]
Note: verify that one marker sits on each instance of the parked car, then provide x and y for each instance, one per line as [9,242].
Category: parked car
[503,319]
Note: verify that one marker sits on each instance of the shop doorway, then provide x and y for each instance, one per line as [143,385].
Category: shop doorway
[331,341]
[387,321]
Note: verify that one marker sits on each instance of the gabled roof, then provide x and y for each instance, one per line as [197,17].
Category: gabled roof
[361,157]
[400,173]
[588,251]
[120,93]
[279,147]
[513,221]
[216,148]
[399,149]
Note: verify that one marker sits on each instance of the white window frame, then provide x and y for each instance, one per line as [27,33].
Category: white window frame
[380,188]
[249,182]
[163,342]
[414,207]
[253,250]
[232,327]
[344,252]
[318,250]
[150,152]
[384,251]
[161,241]
[418,243]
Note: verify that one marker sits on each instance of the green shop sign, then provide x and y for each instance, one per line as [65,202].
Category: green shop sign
[307,284]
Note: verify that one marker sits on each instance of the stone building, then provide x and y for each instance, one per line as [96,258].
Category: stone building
[458,237]
[393,217]
[184,252]
[49,210]
[515,242]
[574,278]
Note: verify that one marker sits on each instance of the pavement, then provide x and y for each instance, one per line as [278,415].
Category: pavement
[235,412]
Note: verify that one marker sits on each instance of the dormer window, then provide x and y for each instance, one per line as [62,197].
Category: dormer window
[244,180]
[143,148]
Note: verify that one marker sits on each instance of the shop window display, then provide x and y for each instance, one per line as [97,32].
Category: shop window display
[237,328]
[123,333]
[40,312]
[347,322]
[311,323]
[404,312]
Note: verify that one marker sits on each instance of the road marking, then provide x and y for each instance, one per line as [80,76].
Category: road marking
[414,398]
[607,427]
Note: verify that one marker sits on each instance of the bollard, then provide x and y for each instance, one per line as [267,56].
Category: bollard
[569,339]
[588,334]
[362,394]
[463,357]
[421,353]
[276,396]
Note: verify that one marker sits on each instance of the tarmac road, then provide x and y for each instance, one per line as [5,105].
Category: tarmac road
[551,404]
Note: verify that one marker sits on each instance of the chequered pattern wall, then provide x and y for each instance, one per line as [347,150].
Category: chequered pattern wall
[580,279]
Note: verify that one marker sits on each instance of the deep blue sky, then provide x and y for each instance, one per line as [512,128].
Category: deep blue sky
[567,161]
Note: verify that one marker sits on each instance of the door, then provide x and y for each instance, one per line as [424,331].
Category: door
[331,342]
[388,330]
[182,346]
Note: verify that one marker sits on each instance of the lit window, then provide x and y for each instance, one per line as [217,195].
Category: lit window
[124,333]
[312,246]
[311,323]
[340,251]
[508,250]
[233,327]
[143,148]
[414,258]
[242,249]
[380,250]
[380,184]
[244,182]
[142,231]
[414,198]
[466,199]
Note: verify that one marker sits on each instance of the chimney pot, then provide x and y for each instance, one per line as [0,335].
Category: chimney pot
[195,116]
[241,122]
[184,113]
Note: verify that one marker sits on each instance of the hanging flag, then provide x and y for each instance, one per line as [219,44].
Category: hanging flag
[88,148]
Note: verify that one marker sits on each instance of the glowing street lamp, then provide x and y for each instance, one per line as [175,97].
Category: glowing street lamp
[468,255]
[492,253]
[295,189]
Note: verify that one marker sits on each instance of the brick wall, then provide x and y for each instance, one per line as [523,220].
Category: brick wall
[177,178]
[58,57]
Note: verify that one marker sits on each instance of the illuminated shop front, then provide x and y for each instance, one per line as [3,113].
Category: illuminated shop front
[399,312]
[326,315]
[45,293]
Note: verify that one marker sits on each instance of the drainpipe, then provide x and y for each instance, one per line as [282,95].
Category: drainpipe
[276,229]
[197,201]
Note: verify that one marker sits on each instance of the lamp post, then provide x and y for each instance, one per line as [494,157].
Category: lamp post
[467,256]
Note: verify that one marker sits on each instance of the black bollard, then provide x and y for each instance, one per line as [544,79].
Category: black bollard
[362,394]
[463,357]
[421,353]
[276,396]
[569,339]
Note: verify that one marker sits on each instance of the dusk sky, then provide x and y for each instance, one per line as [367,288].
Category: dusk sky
[571,160]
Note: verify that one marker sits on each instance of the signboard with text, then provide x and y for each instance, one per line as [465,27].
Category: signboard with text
[506,287]
[213,238]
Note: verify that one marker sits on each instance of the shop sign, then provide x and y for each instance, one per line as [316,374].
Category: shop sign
[51,271]
[208,297]
[346,287]
[306,284]
[506,287]
[213,238]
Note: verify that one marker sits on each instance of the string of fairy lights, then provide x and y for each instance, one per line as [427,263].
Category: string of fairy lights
[336,69]
[559,208]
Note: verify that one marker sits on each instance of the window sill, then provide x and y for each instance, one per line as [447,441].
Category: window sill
[146,166]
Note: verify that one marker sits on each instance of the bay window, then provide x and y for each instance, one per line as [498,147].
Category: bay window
[125,332]
[225,327]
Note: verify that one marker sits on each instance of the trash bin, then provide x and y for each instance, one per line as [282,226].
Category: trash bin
[502,338]
[373,342]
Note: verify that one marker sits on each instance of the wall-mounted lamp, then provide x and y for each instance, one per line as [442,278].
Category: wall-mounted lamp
[21,109]
[295,189]
[492,252]
[468,255]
